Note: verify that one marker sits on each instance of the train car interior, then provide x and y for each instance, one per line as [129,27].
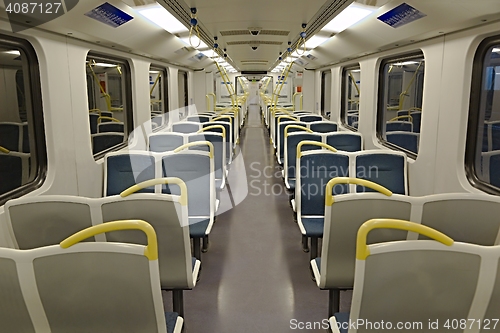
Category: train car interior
[241,166]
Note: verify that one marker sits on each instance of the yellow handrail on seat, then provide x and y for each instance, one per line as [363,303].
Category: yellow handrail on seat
[362,251]
[151,251]
[197,143]
[329,200]
[313,143]
[298,127]
[114,120]
[4,150]
[402,117]
[157,181]
[213,127]
[287,117]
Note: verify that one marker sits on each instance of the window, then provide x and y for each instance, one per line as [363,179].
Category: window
[326,90]
[23,154]
[183,89]
[401,87]
[482,155]
[110,102]
[158,93]
[349,113]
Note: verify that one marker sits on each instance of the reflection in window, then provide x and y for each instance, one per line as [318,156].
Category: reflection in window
[401,90]
[326,89]
[350,96]
[486,107]
[19,159]
[108,91]
[158,93]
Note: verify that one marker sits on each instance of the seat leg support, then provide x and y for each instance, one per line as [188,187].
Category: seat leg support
[204,249]
[197,248]
[333,301]
[305,245]
[314,248]
[178,301]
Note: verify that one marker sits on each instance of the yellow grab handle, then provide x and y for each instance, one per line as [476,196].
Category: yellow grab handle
[151,251]
[286,117]
[362,251]
[212,127]
[197,143]
[313,143]
[329,200]
[402,117]
[108,118]
[4,150]
[297,126]
[158,181]
[224,117]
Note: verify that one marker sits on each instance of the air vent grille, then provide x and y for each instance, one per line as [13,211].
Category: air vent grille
[254,42]
[244,62]
[262,32]
[275,32]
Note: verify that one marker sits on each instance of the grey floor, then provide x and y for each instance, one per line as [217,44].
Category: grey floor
[255,277]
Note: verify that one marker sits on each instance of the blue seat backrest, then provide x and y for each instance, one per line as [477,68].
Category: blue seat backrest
[316,170]
[194,170]
[352,118]
[103,141]
[125,170]
[281,134]
[399,126]
[198,119]
[185,128]
[110,127]
[106,114]
[310,118]
[9,136]
[416,118]
[93,122]
[11,172]
[486,137]
[406,140]
[217,142]
[292,141]
[227,127]
[495,170]
[26,139]
[323,127]
[165,142]
[495,136]
[344,141]
[157,120]
[388,170]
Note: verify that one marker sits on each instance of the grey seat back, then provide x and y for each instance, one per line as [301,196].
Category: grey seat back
[162,142]
[453,214]
[169,219]
[323,126]
[14,314]
[219,150]
[186,127]
[388,169]
[103,141]
[342,221]
[46,220]
[345,141]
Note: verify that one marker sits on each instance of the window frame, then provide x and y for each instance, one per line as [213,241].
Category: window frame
[380,125]
[165,92]
[472,140]
[324,85]
[343,97]
[37,126]
[127,99]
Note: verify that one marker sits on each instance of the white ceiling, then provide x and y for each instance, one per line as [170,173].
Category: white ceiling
[142,37]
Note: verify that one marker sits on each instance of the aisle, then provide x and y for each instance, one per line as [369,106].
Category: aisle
[255,277]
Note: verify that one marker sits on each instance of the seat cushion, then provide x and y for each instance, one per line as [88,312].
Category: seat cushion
[171,318]
[313,226]
[342,319]
[198,226]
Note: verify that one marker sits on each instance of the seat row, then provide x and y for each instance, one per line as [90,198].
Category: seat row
[421,285]
[86,287]
[448,213]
